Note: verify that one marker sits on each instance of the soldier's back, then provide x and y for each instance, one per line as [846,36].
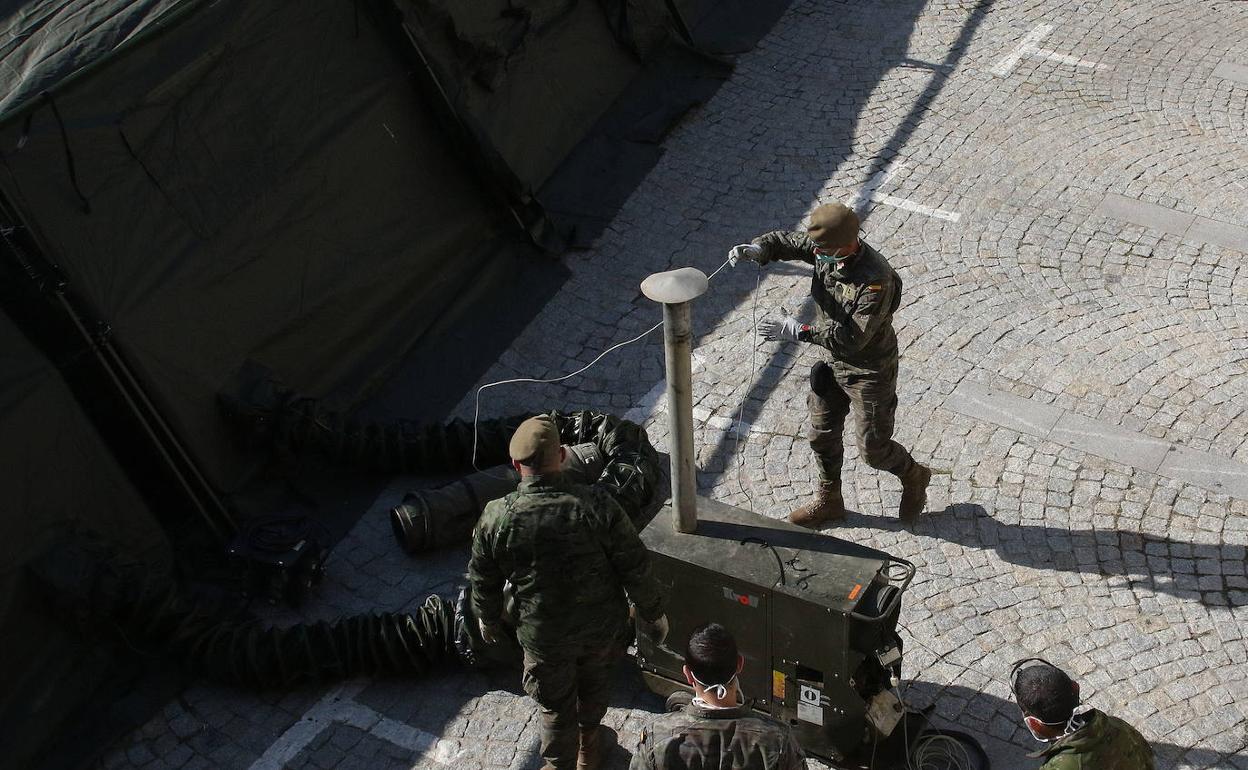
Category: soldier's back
[735,739]
[1105,743]
[549,539]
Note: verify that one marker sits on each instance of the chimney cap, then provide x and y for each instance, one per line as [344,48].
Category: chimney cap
[675,286]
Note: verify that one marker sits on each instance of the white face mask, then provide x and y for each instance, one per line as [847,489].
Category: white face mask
[720,691]
[1071,725]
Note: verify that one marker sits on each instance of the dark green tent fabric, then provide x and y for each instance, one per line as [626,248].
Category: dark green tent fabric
[533,85]
[262,184]
[328,188]
[58,478]
[531,81]
[47,41]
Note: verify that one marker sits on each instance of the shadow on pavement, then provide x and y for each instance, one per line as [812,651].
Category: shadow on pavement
[1212,574]
[996,723]
[867,71]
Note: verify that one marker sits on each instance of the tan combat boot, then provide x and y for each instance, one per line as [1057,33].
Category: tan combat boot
[594,747]
[914,492]
[827,507]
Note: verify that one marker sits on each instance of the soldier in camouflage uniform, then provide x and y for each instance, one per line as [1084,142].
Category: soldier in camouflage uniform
[1089,740]
[570,553]
[717,730]
[856,292]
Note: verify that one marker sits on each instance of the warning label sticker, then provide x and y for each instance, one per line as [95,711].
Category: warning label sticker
[810,705]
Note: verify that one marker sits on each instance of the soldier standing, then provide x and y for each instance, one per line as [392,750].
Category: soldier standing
[856,292]
[1048,698]
[570,553]
[717,729]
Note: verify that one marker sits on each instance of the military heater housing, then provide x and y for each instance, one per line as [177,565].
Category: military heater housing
[814,616]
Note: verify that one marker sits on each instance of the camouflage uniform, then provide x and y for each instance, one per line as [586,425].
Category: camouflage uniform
[696,737]
[855,300]
[1103,743]
[570,552]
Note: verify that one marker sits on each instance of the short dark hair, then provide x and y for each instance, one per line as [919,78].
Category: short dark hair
[711,654]
[1046,692]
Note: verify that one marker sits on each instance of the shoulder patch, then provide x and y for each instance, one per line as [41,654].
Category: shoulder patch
[874,286]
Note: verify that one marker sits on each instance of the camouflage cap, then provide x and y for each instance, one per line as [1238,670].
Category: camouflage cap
[533,440]
[832,225]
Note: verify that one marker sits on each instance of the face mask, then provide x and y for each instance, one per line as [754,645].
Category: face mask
[834,257]
[720,691]
[1033,732]
[1075,722]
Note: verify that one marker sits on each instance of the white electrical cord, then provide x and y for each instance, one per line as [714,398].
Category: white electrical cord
[736,446]
[476,412]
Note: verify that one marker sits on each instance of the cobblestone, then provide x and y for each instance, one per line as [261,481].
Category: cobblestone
[1132,578]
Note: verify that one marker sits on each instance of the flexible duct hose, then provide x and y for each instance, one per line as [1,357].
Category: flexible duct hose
[150,611]
[267,414]
[445,516]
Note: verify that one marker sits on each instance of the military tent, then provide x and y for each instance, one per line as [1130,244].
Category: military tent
[334,189]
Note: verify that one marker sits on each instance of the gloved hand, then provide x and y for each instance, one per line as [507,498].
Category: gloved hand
[490,633]
[788,329]
[746,251]
[655,629]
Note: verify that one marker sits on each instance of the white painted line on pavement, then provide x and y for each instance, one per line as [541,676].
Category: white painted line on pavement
[649,405]
[1112,442]
[870,192]
[1074,61]
[1029,48]
[918,208]
[338,705]
[1232,71]
[1024,48]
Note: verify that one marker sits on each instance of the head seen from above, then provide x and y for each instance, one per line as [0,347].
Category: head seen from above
[712,664]
[1047,696]
[535,447]
[834,230]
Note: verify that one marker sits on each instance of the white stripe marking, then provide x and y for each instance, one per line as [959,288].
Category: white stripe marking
[1024,48]
[1029,47]
[649,405]
[870,192]
[338,706]
[1044,53]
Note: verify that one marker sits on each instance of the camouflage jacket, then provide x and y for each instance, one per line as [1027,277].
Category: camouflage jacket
[1103,743]
[570,552]
[695,738]
[856,299]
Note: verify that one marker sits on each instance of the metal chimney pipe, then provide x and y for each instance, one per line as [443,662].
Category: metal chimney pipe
[675,289]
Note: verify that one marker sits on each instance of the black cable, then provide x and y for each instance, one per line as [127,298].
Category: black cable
[69,153]
[779,562]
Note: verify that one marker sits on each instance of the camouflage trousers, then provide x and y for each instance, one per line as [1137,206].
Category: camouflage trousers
[572,687]
[836,389]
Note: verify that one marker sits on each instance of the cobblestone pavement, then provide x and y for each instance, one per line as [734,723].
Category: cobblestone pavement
[1062,186]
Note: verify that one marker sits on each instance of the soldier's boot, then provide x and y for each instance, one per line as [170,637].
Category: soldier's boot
[914,491]
[593,748]
[827,507]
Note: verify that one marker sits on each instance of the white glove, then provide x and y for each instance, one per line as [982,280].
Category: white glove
[746,251]
[488,633]
[785,329]
[656,630]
